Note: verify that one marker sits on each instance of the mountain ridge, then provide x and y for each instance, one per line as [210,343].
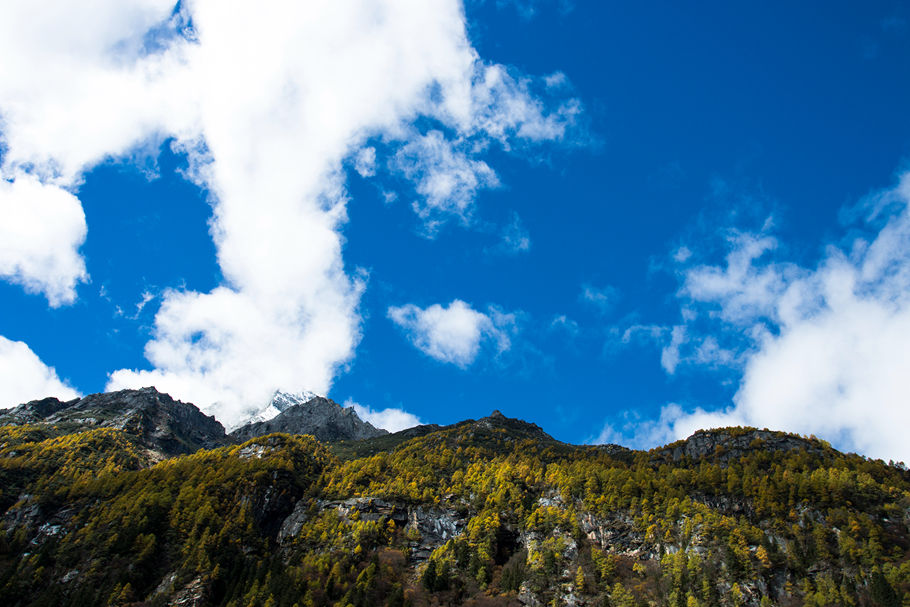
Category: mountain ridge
[167,426]
[319,416]
[278,403]
[327,421]
[492,511]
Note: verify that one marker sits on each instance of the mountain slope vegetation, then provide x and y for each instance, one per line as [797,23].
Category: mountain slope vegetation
[486,512]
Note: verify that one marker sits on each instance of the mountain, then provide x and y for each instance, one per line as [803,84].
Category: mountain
[722,445]
[320,417]
[495,429]
[489,512]
[163,425]
[279,402]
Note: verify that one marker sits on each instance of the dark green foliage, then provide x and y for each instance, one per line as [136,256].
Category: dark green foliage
[514,572]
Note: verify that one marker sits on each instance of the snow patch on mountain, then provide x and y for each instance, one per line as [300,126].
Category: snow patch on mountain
[280,402]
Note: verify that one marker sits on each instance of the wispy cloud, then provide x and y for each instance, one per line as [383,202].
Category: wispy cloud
[602,298]
[446,178]
[564,324]
[820,349]
[528,9]
[515,237]
[633,431]
[365,161]
[498,108]
[144,299]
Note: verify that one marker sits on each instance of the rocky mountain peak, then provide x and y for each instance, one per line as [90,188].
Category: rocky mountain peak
[496,419]
[284,400]
[167,426]
[319,416]
[34,411]
[278,403]
[727,443]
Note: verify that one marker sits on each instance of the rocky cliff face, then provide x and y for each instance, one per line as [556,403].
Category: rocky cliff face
[320,417]
[724,444]
[167,426]
[427,527]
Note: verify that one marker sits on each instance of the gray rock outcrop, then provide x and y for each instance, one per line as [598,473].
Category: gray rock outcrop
[724,444]
[320,417]
[162,424]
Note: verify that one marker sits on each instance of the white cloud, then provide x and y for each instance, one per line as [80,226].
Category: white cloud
[508,108]
[710,353]
[563,323]
[742,290]
[84,85]
[454,333]
[515,237]
[682,254]
[672,423]
[643,333]
[447,179]
[602,298]
[144,300]
[267,102]
[23,377]
[492,107]
[678,346]
[391,418]
[365,161]
[822,350]
[41,229]
[638,433]
[669,355]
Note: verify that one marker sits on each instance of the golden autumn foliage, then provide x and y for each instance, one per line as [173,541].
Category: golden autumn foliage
[90,520]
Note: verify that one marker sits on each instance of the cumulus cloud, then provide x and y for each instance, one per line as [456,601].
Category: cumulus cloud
[454,333]
[23,377]
[87,85]
[822,350]
[41,230]
[392,419]
[267,103]
[82,87]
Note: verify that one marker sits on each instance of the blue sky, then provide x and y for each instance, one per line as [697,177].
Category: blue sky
[621,222]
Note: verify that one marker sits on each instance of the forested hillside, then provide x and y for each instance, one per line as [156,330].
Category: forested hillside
[488,512]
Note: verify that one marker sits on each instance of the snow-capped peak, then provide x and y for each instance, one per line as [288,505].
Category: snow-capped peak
[279,402]
[283,400]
